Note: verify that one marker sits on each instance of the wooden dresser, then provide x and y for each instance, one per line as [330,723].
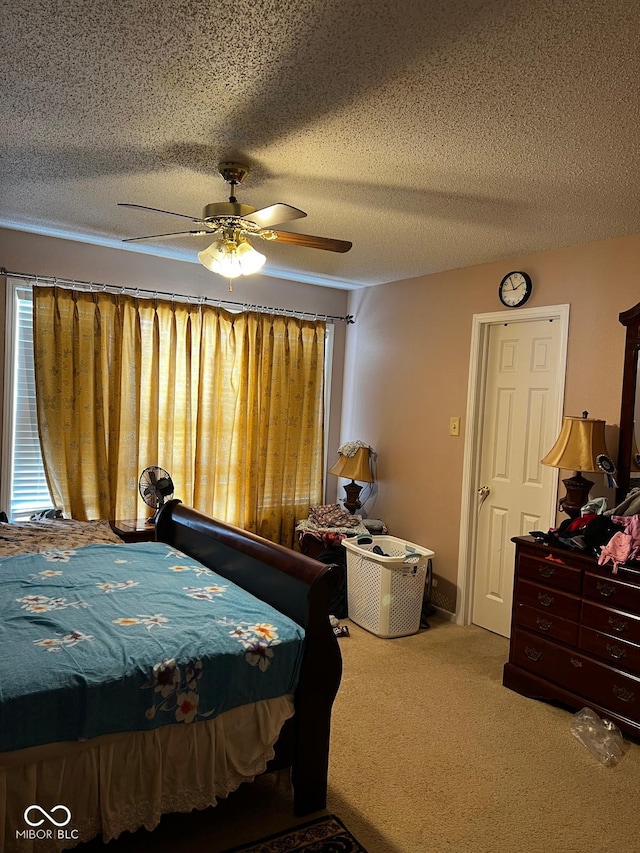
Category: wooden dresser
[575,633]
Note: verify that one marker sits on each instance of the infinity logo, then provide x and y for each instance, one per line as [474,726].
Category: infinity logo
[47,815]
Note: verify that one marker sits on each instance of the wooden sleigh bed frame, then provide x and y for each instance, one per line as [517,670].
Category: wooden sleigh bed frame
[299,587]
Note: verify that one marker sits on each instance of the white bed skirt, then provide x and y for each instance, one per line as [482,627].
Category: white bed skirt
[125,781]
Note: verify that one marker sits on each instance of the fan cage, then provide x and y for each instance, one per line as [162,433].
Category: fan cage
[151,486]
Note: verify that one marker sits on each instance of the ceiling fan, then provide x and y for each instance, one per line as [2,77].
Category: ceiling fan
[233,223]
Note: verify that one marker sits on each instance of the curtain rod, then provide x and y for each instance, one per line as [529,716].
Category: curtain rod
[137,291]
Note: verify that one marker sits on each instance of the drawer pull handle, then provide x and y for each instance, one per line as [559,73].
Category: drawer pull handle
[575,662]
[544,599]
[616,652]
[532,654]
[618,625]
[605,589]
[547,571]
[543,624]
[624,695]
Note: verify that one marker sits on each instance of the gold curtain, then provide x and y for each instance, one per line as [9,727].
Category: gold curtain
[230,404]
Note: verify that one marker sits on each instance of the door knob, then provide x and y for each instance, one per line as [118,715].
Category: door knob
[483,494]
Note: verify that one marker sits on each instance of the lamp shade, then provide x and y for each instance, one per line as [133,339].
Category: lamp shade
[231,258]
[354,467]
[580,442]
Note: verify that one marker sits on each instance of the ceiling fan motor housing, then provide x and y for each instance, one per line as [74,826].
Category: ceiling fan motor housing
[226,208]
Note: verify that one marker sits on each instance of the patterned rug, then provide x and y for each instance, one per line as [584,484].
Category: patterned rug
[323,835]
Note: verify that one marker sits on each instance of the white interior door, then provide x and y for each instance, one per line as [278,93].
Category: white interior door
[518,426]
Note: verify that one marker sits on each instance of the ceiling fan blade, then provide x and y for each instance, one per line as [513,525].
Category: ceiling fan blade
[158,210]
[274,215]
[313,242]
[170,234]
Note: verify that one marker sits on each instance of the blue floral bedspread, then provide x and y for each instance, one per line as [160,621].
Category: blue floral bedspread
[115,638]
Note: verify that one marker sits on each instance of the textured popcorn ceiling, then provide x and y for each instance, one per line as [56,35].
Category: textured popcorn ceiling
[433,135]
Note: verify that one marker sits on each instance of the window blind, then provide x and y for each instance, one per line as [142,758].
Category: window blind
[29,490]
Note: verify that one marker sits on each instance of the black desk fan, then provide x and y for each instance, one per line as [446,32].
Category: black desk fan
[156,487]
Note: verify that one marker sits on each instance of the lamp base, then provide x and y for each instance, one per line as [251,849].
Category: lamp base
[351,502]
[578,488]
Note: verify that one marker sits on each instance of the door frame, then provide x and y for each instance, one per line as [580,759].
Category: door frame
[473,434]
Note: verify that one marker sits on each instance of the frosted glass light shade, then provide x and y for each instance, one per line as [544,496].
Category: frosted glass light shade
[249,259]
[231,259]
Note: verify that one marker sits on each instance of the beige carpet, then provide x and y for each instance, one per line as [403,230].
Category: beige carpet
[431,754]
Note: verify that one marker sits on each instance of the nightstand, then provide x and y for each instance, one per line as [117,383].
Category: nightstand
[134,529]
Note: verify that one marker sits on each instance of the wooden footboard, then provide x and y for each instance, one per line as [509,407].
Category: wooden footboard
[299,587]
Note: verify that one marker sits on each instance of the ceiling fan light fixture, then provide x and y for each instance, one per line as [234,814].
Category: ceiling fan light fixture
[219,257]
[250,260]
[231,258]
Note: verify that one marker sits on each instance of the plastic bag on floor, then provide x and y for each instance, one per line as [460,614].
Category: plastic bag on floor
[601,737]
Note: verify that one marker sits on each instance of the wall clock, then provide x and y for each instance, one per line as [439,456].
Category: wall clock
[514,289]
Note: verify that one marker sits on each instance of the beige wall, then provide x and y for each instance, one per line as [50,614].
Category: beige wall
[407,365]
[407,358]
[35,254]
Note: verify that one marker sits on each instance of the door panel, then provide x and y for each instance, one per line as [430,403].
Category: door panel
[518,426]
[494,583]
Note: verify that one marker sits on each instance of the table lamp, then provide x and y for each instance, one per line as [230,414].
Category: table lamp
[579,447]
[356,467]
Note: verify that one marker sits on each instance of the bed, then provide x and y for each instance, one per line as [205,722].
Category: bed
[156,677]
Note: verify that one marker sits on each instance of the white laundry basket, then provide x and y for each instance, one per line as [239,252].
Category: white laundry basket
[385,593]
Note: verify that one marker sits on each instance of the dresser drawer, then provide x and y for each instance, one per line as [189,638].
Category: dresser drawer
[552,569]
[617,623]
[613,650]
[546,660]
[626,574]
[578,673]
[548,600]
[620,595]
[543,622]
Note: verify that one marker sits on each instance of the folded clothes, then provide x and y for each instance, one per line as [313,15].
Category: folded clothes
[333,515]
[326,534]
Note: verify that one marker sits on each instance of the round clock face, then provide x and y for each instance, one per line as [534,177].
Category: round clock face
[515,288]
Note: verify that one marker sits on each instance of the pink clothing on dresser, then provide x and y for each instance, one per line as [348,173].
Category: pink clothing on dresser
[623,546]
[631,525]
[617,551]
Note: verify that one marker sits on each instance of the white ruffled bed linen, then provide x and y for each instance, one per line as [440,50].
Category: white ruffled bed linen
[125,781]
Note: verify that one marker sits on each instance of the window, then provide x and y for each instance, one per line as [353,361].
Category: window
[24,486]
